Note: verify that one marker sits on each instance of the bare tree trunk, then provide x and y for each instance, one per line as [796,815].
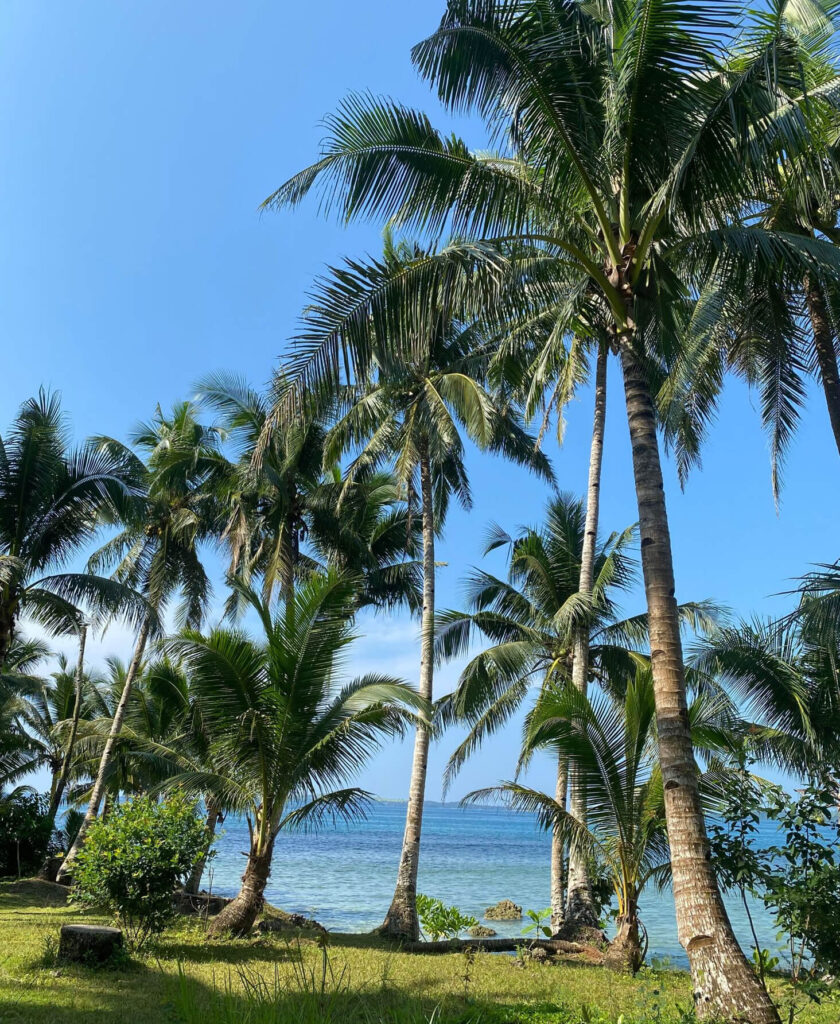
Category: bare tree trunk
[558,853]
[823,333]
[625,950]
[64,773]
[724,983]
[104,762]
[239,915]
[580,907]
[212,820]
[401,920]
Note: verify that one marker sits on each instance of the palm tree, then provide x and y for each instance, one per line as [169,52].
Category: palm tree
[283,733]
[157,551]
[629,137]
[533,620]
[414,412]
[611,743]
[53,500]
[285,518]
[19,750]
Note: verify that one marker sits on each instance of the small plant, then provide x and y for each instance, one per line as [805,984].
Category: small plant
[537,925]
[132,863]
[439,921]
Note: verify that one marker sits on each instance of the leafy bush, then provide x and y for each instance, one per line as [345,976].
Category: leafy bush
[25,829]
[439,921]
[132,862]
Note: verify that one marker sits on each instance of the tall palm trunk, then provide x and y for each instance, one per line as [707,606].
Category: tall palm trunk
[823,334]
[401,919]
[580,908]
[724,983]
[239,915]
[64,773]
[558,852]
[98,790]
[212,820]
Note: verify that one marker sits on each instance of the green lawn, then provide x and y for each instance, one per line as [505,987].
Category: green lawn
[367,983]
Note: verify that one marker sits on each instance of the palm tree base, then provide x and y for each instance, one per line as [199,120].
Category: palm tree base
[401,921]
[240,915]
[625,951]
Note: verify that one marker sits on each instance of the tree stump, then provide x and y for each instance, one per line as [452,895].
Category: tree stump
[85,943]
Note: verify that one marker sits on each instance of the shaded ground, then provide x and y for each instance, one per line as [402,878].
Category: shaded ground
[280,979]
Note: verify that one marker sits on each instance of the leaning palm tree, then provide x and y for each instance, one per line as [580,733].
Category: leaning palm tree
[612,744]
[633,149]
[283,732]
[53,500]
[157,551]
[414,412]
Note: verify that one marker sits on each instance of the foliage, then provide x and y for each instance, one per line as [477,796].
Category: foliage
[132,862]
[25,830]
[803,887]
[537,917]
[439,921]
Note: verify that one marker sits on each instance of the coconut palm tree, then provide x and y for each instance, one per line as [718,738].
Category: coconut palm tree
[633,150]
[414,412]
[533,619]
[285,518]
[284,733]
[19,683]
[156,553]
[53,500]
[612,744]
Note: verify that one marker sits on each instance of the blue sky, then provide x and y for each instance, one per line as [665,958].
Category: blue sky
[140,140]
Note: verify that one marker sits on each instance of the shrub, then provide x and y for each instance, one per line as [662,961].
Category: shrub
[133,861]
[439,921]
[25,829]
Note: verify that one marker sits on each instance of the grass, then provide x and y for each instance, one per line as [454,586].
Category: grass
[184,979]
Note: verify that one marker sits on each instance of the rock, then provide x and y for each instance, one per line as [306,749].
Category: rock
[280,921]
[49,869]
[481,931]
[83,943]
[504,910]
[539,955]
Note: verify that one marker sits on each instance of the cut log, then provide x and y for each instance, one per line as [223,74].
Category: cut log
[501,946]
[86,943]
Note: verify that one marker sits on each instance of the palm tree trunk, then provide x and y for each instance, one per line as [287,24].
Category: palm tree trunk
[212,820]
[580,908]
[65,870]
[239,915]
[401,920]
[724,983]
[823,334]
[558,853]
[64,773]
[625,950]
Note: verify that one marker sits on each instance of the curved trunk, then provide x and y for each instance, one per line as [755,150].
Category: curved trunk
[823,334]
[558,853]
[239,915]
[401,920]
[580,908]
[724,983]
[98,791]
[64,773]
[211,821]
[625,951]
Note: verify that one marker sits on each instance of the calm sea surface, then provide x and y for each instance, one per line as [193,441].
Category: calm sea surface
[471,857]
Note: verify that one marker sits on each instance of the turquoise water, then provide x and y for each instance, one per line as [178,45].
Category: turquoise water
[471,857]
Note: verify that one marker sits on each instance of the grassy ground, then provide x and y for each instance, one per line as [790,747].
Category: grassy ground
[184,979]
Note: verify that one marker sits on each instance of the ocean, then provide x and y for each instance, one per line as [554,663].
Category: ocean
[470,857]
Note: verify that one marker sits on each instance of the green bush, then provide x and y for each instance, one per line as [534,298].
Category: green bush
[133,861]
[25,830]
[439,921]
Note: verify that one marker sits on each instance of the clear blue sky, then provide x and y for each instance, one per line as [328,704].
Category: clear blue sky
[139,139]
